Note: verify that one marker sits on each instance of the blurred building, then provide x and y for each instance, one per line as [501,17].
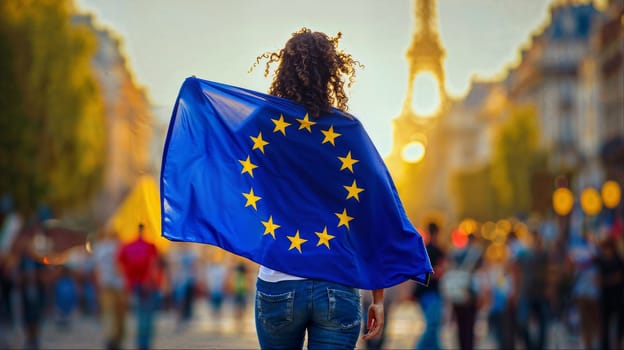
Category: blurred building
[129,122]
[572,72]
[469,128]
[609,64]
[548,77]
[469,125]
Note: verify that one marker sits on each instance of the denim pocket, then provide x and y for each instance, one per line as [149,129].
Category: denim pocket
[275,311]
[344,308]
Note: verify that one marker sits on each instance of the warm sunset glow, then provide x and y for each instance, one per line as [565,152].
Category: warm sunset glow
[153,50]
[426,94]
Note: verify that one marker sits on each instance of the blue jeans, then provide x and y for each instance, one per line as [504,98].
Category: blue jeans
[329,312]
[145,310]
[431,304]
[538,308]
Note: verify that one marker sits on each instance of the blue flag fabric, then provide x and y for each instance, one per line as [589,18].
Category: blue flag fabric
[255,175]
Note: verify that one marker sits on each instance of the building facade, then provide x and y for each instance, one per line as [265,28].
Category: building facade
[610,71]
[549,76]
[128,123]
[572,72]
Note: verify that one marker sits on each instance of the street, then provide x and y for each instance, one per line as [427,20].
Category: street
[404,326]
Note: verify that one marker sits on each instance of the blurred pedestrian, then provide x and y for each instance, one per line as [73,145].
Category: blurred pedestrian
[216,274]
[529,275]
[110,284]
[611,269]
[582,256]
[139,261]
[241,291]
[7,285]
[186,281]
[497,285]
[463,265]
[86,278]
[32,293]
[429,297]
[65,296]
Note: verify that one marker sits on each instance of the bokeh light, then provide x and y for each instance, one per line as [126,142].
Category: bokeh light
[488,230]
[590,201]
[459,239]
[503,227]
[468,226]
[611,194]
[563,200]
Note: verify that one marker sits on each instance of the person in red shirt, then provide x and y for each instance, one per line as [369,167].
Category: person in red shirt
[139,261]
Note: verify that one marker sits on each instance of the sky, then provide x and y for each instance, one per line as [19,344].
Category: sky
[166,41]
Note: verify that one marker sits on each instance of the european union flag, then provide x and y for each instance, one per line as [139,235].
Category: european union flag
[257,176]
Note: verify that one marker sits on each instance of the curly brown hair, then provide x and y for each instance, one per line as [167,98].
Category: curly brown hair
[310,71]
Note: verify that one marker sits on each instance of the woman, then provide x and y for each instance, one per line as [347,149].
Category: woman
[310,72]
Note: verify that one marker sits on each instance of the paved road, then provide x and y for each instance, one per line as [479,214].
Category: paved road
[405,325]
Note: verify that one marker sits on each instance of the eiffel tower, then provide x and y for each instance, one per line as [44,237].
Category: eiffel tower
[425,53]
[417,180]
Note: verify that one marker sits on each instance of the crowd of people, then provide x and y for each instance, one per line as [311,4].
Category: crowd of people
[537,280]
[574,279]
[113,281]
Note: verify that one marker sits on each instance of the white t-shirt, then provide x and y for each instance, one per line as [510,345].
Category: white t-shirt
[268,275]
[105,256]
[215,277]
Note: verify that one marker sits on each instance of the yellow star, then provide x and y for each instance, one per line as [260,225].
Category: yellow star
[259,143]
[248,166]
[344,218]
[305,123]
[280,125]
[296,241]
[251,199]
[330,135]
[347,162]
[324,237]
[270,227]
[354,191]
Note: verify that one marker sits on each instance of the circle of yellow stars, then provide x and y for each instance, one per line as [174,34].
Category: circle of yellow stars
[347,162]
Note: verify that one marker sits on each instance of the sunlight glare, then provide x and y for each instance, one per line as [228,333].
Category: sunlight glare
[413,152]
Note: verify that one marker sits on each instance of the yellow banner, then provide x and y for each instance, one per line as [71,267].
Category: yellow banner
[141,206]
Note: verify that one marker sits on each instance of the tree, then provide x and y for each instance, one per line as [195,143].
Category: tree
[474,195]
[515,181]
[52,140]
[515,157]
